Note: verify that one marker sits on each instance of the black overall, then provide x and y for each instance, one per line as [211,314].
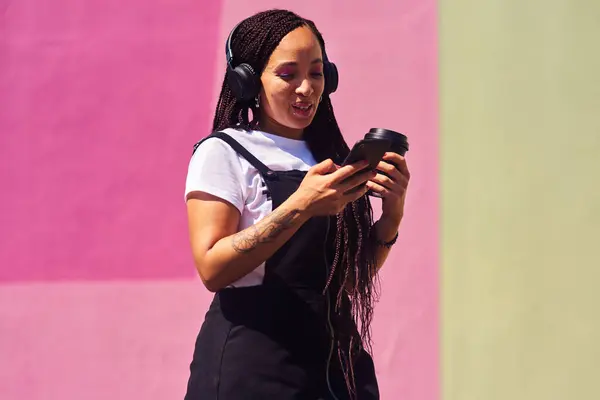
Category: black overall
[273,341]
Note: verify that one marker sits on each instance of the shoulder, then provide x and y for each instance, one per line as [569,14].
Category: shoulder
[214,154]
[248,138]
[212,142]
[215,168]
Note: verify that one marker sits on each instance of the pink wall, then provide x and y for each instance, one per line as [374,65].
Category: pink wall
[100,104]
[101,101]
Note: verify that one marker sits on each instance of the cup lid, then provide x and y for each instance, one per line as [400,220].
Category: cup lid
[394,137]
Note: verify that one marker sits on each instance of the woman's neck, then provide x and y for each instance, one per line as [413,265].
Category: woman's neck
[269,125]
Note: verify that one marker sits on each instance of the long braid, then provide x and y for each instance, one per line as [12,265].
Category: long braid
[353,270]
[354,245]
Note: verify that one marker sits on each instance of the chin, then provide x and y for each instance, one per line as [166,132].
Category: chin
[299,124]
[296,121]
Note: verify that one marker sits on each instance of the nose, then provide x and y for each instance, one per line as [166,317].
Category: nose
[305,88]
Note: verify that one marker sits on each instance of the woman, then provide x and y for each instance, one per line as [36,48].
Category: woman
[280,232]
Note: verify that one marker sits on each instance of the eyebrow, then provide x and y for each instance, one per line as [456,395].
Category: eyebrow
[294,63]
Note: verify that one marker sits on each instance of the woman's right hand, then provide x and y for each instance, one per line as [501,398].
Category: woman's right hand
[327,188]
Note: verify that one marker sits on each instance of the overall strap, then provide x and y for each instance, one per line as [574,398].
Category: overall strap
[265,171]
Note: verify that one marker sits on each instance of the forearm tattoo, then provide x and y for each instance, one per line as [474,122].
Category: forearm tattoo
[264,231]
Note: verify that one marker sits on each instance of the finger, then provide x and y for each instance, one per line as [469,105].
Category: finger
[324,167]
[399,161]
[397,185]
[392,157]
[349,170]
[381,190]
[384,181]
[390,170]
[356,180]
[355,193]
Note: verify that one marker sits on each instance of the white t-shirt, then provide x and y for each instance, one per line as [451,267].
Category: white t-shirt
[217,169]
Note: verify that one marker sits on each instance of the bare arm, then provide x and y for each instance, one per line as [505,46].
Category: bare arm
[385,230]
[392,188]
[223,255]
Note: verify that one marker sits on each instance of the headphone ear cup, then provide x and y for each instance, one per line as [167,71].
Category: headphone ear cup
[243,82]
[330,72]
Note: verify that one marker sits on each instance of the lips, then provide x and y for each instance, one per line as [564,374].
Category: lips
[302,109]
[302,106]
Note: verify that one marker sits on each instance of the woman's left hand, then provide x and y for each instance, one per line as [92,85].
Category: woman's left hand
[391,188]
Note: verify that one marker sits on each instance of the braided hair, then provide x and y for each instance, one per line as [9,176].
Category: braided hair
[353,273]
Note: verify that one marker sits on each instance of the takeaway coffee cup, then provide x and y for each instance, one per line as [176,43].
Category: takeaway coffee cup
[398,144]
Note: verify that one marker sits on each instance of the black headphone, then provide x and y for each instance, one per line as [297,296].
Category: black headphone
[245,84]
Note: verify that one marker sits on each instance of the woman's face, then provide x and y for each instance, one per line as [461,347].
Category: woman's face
[292,84]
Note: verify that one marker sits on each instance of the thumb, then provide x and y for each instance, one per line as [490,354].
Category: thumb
[324,167]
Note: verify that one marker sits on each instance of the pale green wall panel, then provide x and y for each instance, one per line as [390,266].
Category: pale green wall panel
[520,171]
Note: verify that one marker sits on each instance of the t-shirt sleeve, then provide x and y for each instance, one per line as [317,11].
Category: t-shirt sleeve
[215,169]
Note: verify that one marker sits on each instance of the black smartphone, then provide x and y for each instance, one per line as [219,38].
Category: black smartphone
[369,150]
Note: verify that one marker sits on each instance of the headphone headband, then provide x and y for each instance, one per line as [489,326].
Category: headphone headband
[228,52]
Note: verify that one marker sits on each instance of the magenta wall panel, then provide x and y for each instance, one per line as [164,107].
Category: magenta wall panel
[101,102]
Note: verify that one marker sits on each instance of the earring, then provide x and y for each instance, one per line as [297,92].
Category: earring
[320,99]
[257,101]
